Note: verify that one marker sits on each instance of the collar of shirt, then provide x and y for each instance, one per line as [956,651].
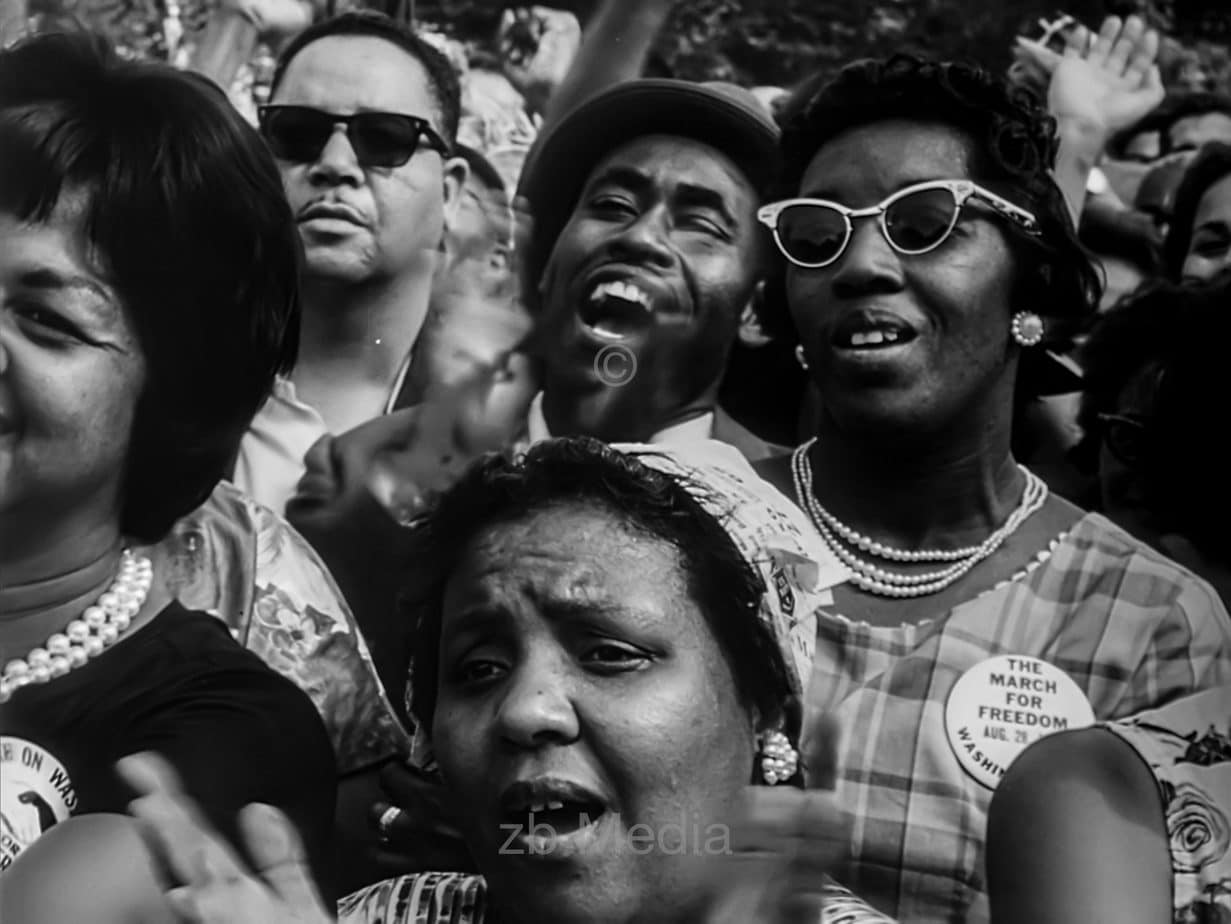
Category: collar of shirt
[690,431]
[271,455]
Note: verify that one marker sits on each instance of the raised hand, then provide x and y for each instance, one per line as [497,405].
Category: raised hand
[216,887]
[1110,81]
[538,46]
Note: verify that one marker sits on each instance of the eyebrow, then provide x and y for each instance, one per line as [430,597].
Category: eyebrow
[685,193]
[688,194]
[46,278]
[622,176]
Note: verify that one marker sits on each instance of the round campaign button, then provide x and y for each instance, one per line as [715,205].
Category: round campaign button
[1003,704]
[35,793]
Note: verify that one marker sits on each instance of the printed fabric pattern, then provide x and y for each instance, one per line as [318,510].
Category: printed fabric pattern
[1187,745]
[243,563]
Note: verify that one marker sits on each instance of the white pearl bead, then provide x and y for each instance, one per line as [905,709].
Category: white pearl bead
[122,621]
[41,674]
[58,644]
[39,657]
[109,633]
[77,657]
[94,616]
[60,666]
[93,646]
[77,631]
[109,601]
[16,668]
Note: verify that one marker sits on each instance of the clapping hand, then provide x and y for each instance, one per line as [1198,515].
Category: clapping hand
[212,885]
[784,842]
[1109,82]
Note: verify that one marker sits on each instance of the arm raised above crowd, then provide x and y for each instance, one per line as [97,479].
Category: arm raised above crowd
[614,48]
[1098,87]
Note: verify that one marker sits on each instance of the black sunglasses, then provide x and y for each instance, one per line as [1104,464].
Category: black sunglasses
[379,139]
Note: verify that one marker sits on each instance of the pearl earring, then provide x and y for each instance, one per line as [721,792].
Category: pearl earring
[779,760]
[1027,328]
[800,358]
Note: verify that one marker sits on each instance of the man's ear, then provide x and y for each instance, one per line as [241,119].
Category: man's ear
[751,330]
[454,176]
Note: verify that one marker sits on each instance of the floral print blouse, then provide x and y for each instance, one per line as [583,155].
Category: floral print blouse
[1187,745]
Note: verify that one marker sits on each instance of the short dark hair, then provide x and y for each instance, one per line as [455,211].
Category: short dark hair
[1183,105]
[185,206]
[580,471]
[370,23]
[1211,164]
[1016,145]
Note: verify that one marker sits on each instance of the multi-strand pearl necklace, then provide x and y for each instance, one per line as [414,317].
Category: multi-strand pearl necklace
[869,576]
[98,628]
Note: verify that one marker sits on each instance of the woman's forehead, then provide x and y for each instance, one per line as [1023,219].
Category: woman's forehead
[568,555]
[870,156]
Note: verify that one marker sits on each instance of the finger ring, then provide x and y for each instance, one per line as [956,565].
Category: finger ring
[386,820]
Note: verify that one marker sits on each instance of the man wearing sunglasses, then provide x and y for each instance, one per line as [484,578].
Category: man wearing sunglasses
[362,120]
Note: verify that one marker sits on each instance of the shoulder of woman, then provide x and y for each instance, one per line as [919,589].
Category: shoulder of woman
[1158,580]
[1059,773]
[89,868]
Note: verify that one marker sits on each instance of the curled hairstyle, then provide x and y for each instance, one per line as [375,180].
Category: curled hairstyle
[1207,168]
[441,77]
[184,211]
[502,488]
[1014,152]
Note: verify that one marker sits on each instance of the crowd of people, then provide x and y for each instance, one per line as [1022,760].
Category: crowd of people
[450,489]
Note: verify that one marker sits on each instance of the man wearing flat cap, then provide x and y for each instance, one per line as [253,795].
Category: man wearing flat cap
[646,256]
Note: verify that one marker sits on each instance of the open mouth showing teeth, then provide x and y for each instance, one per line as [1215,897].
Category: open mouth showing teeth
[876,338]
[555,818]
[616,309]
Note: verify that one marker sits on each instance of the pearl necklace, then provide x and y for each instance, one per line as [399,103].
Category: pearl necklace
[99,627]
[883,582]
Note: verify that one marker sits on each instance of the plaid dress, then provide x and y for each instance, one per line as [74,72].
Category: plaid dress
[1133,629]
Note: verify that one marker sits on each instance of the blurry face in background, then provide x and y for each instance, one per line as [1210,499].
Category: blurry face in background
[71,374]
[360,224]
[1143,147]
[1209,248]
[475,315]
[1190,132]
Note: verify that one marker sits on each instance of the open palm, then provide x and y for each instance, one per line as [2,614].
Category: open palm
[1111,81]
